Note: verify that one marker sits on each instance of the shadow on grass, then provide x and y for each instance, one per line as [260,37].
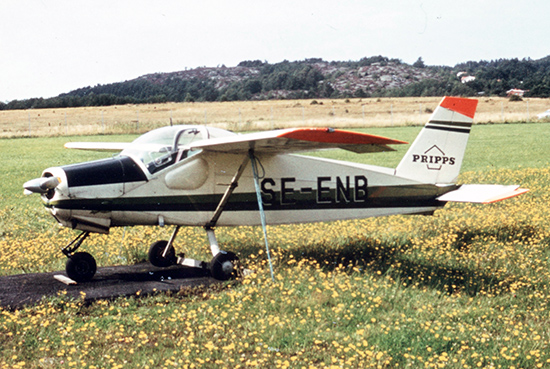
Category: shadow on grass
[500,233]
[373,256]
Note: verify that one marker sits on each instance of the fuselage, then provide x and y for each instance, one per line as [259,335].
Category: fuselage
[180,187]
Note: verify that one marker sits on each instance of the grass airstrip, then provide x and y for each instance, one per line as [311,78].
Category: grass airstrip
[466,288]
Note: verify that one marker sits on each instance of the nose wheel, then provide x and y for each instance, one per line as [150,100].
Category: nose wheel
[80,266]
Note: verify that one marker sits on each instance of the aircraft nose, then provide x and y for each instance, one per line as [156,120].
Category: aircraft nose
[41,185]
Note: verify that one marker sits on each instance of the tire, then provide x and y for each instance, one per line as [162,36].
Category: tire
[223,266]
[155,254]
[81,267]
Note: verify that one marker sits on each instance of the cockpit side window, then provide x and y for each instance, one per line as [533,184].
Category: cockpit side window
[165,146]
[161,161]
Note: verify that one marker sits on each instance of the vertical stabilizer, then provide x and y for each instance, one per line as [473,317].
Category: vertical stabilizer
[436,154]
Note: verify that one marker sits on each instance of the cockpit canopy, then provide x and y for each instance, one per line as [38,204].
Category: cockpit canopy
[165,146]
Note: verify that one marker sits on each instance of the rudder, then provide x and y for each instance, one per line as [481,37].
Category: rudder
[437,152]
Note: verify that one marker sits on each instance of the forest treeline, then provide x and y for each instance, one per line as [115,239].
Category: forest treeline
[310,78]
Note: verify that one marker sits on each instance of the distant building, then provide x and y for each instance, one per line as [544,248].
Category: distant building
[467,79]
[516,92]
[464,77]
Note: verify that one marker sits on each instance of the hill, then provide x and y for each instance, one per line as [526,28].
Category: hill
[312,78]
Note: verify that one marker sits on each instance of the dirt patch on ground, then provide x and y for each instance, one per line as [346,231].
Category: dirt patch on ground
[17,291]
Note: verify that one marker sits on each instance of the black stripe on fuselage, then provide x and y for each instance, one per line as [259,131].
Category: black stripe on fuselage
[248,202]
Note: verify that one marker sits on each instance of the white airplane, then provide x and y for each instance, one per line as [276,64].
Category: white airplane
[188,176]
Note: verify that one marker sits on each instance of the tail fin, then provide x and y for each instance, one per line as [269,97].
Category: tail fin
[436,154]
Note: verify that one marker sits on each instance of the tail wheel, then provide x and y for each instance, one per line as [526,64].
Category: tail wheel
[156,252]
[81,267]
[224,266]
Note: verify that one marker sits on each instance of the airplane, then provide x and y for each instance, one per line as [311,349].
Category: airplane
[186,175]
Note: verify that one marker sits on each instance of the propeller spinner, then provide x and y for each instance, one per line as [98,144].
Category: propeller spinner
[41,185]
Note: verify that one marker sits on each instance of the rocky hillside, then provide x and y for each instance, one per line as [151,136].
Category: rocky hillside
[343,79]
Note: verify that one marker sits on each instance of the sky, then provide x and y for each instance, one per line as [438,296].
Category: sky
[48,47]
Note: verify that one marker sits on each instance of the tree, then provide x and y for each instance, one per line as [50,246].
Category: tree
[251,63]
[189,98]
[327,90]
[253,86]
[419,63]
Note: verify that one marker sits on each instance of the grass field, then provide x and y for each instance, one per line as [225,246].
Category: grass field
[254,115]
[466,288]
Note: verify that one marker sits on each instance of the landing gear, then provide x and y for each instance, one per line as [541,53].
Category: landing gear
[224,266]
[162,253]
[80,266]
[162,256]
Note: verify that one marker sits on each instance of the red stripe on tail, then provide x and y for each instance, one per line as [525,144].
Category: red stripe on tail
[460,105]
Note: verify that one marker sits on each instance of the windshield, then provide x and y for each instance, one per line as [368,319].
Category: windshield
[159,148]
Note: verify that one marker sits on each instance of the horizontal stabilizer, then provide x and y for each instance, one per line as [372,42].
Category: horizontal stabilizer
[482,193]
[298,139]
[98,146]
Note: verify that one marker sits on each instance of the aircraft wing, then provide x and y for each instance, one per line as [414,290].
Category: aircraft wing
[482,193]
[98,146]
[298,139]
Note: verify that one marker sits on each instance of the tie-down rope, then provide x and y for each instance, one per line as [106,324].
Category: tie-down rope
[253,161]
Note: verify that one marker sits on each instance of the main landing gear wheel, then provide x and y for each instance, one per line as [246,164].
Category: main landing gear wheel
[224,266]
[156,252]
[81,267]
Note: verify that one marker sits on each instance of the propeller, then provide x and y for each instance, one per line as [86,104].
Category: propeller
[41,185]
